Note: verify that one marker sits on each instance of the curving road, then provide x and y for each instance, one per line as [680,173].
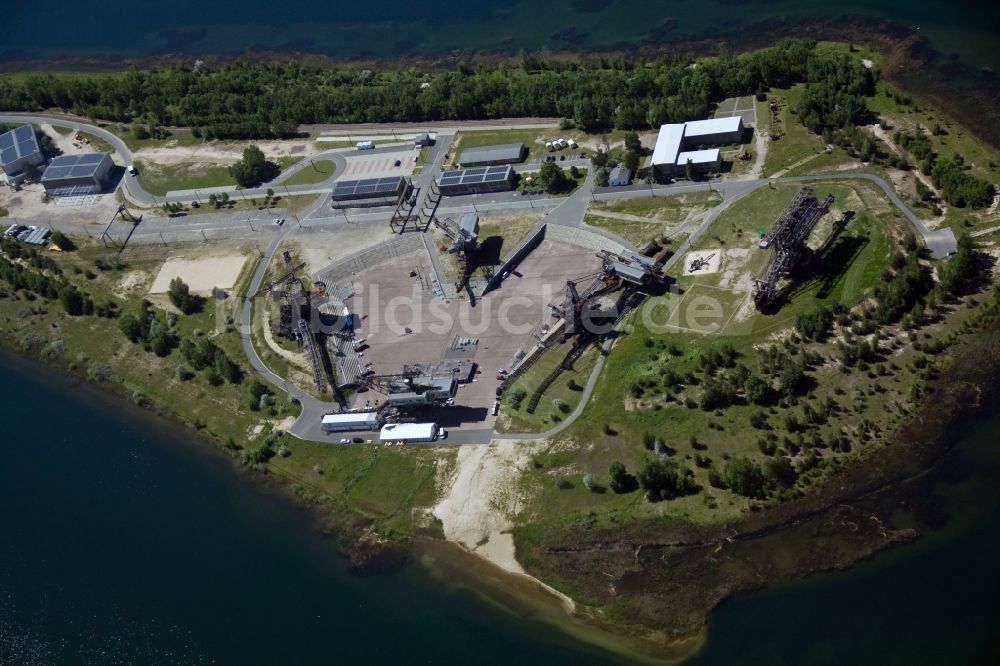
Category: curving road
[569,212]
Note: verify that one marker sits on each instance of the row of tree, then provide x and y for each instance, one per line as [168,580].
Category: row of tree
[246,100]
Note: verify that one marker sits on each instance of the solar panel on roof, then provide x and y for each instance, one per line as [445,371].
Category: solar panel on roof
[6,140]
[8,155]
[90,158]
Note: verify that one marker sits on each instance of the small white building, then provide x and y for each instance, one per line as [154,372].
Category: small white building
[619,176]
[350,422]
[409,432]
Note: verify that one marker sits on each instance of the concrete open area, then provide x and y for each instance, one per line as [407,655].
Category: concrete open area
[360,165]
[201,274]
[405,323]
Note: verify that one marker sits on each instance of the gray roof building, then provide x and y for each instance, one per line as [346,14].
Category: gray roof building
[477,180]
[87,173]
[389,187]
[507,153]
[620,175]
[19,147]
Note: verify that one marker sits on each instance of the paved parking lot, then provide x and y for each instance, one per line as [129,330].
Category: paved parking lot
[738,106]
[360,165]
[390,300]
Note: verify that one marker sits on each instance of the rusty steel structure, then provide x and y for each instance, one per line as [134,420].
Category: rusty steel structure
[787,239]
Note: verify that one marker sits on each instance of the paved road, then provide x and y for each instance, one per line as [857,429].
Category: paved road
[568,211]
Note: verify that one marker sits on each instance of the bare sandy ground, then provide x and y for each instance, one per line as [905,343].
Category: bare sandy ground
[321,249]
[201,274]
[220,152]
[29,204]
[713,257]
[480,501]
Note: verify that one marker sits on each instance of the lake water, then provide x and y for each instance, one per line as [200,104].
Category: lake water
[126,543]
[384,28]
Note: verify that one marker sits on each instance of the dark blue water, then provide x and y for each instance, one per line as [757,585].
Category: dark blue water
[47,29]
[934,602]
[125,544]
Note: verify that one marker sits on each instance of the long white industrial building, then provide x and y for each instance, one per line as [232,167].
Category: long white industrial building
[678,143]
[350,421]
[409,432]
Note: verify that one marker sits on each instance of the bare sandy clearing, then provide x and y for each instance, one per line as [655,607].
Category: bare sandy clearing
[702,262]
[201,274]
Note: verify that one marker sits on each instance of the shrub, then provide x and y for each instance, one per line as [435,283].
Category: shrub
[620,480]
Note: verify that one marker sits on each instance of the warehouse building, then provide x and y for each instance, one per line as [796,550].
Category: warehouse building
[422,391]
[350,422]
[477,180]
[678,143]
[71,175]
[507,153]
[713,132]
[409,432]
[373,191]
[19,149]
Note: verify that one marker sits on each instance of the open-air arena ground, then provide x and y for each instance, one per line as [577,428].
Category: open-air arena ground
[388,300]
[201,274]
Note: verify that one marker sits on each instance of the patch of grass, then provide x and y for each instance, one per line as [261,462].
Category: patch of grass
[160,179]
[796,143]
[319,171]
[500,234]
[4,212]
[673,208]
[61,130]
[548,413]
[100,145]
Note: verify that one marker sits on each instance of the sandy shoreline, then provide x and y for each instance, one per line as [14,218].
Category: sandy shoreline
[481,498]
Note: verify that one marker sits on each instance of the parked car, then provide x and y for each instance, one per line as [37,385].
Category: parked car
[496,407]
[442,434]
[359,440]
[345,440]
[396,163]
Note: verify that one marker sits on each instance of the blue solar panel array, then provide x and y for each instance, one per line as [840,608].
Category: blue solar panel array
[74,166]
[493,174]
[17,144]
[368,188]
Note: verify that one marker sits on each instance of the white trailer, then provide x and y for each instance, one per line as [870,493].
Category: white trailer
[409,432]
[350,422]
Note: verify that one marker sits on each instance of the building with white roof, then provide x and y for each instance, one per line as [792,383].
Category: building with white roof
[408,432]
[350,421]
[677,143]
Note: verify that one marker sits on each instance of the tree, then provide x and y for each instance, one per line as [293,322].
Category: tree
[662,479]
[631,161]
[131,327]
[745,477]
[254,168]
[689,170]
[756,390]
[599,159]
[62,241]
[72,300]
[620,480]
[602,177]
[632,142]
[553,178]
[792,379]
[182,298]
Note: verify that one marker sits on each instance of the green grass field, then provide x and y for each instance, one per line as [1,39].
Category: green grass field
[669,334]
[567,388]
[317,173]
[160,179]
[797,143]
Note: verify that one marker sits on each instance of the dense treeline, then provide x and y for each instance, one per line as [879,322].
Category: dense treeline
[247,100]
[950,174]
